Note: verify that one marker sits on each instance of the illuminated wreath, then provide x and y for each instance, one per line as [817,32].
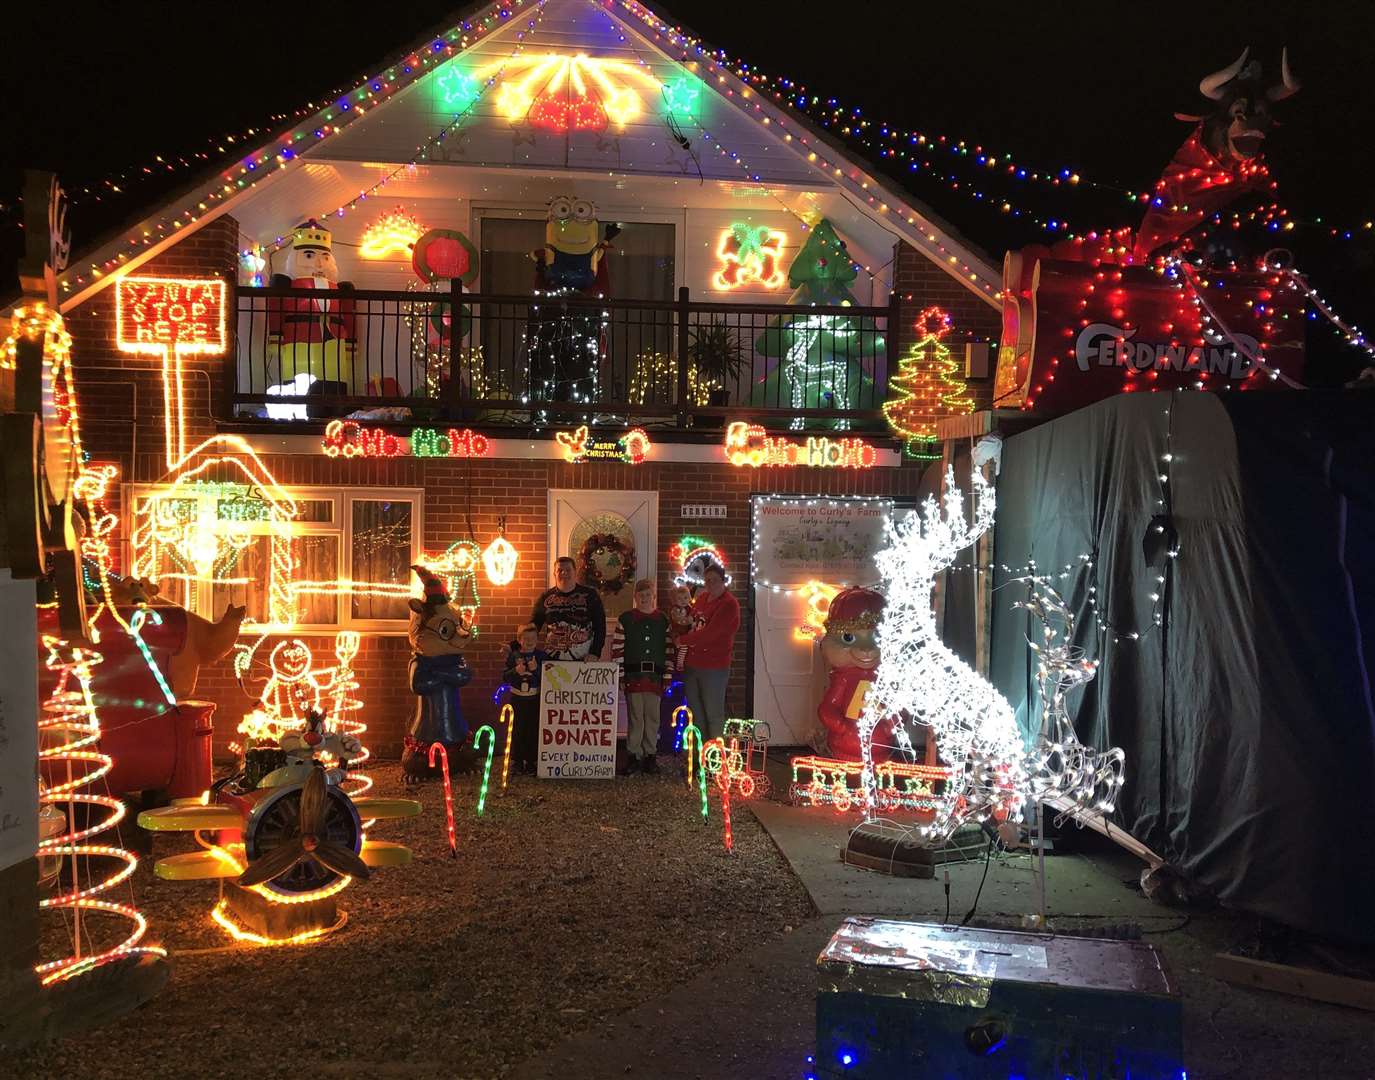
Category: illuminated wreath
[606,563]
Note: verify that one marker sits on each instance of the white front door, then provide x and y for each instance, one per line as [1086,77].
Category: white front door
[632,517]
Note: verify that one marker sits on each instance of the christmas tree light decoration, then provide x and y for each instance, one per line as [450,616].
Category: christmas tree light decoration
[682,97]
[394,233]
[565,93]
[457,89]
[499,559]
[1060,766]
[69,754]
[817,595]
[920,680]
[925,387]
[749,255]
[749,445]
[490,732]
[693,556]
[821,356]
[437,747]
[507,719]
[171,318]
[344,706]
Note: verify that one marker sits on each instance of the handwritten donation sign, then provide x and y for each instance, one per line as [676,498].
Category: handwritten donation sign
[577,725]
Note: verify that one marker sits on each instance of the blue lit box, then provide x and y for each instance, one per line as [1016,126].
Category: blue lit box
[901,1000]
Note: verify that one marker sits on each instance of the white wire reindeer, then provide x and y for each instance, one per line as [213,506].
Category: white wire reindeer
[921,681]
[1060,766]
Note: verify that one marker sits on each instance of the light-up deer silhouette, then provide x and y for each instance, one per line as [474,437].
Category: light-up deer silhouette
[920,681]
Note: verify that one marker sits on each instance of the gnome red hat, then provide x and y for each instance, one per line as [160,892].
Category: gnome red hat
[854,608]
[436,592]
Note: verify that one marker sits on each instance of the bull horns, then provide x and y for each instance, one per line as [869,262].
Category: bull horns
[1288,84]
[1211,86]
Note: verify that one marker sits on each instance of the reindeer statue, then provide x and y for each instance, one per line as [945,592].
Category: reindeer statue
[920,681]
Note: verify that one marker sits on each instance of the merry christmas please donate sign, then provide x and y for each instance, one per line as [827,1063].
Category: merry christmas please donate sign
[577,724]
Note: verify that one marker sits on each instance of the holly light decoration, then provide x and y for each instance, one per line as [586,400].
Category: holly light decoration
[925,387]
[749,255]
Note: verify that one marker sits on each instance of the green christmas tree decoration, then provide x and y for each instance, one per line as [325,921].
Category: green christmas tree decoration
[925,388]
[821,358]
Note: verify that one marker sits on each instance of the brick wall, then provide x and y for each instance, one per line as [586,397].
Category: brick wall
[121,408]
[920,283]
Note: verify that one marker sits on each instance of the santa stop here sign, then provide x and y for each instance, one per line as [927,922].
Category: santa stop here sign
[577,723]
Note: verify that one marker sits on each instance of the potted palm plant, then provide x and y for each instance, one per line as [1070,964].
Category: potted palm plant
[715,359]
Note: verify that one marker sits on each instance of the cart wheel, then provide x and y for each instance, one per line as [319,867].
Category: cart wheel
[746,786]
[762,785]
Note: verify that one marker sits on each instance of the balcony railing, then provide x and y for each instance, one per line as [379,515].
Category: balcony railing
[306,354]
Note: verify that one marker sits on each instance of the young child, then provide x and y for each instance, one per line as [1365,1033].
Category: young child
[643,649]
[680,622]
[522,675]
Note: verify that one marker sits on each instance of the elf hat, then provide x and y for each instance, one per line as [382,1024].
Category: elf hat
[854,608]
[311,234]
[435,591]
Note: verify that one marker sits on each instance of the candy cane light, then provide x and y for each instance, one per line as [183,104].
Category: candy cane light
[920,678]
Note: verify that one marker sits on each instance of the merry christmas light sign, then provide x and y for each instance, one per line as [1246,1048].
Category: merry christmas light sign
[350,439]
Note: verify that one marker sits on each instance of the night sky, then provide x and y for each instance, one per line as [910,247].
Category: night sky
[1087,87]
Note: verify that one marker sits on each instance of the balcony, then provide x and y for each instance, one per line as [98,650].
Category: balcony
[537,361]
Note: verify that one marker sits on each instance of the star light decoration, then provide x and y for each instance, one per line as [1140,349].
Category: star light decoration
[565,92]
[923,682]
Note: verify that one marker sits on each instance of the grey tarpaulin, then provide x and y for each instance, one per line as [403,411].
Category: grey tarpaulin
[1246,715]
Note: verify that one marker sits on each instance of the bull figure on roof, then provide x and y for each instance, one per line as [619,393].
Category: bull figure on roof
[1222,158]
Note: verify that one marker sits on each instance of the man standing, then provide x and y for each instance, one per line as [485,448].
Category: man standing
[716,618]
[571,617]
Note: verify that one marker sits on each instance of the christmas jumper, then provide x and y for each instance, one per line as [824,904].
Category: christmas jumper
[573,623]
[715,622]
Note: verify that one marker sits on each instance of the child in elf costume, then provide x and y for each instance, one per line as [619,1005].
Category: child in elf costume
[524,663]
[643,648]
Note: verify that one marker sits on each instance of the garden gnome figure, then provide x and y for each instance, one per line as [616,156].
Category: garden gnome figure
[850,649]
[438,671]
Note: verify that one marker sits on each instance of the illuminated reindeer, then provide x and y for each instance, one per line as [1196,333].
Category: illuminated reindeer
[920,681]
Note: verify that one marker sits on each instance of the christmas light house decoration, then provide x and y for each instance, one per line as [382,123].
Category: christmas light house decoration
[921,682]
[821,357]
[925,387]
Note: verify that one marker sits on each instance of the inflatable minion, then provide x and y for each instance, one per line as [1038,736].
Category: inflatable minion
[572,254]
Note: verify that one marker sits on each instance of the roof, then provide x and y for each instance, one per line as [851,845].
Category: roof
[298,144]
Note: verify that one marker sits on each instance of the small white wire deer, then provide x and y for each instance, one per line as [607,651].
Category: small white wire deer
[921,681]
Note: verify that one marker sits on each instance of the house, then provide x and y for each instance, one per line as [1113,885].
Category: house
[692,378]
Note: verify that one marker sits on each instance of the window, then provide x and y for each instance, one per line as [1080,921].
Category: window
[343,561]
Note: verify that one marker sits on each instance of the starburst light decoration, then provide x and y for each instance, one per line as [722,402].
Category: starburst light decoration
[922,682]
[571,92]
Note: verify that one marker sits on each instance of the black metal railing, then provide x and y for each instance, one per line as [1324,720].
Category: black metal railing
[528,360]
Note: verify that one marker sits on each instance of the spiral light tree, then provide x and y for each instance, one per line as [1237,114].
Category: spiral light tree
[921,682]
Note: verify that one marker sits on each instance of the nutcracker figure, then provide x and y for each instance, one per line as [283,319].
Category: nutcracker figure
[313,335]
